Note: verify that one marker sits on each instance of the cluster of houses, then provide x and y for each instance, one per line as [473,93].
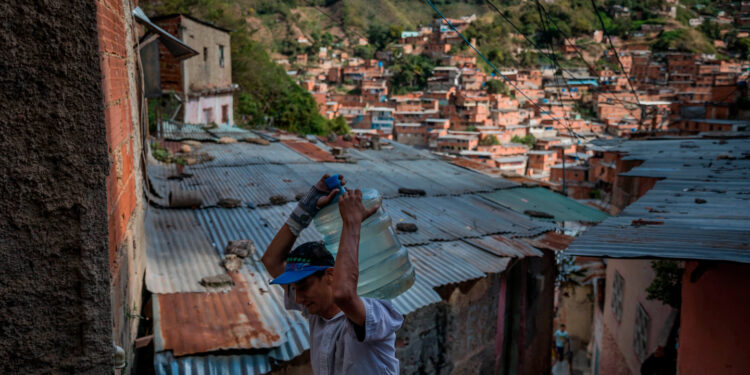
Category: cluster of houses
[539,127]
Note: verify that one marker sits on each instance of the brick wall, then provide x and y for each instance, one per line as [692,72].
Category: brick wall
[126,234]
[121,197]
[171,69]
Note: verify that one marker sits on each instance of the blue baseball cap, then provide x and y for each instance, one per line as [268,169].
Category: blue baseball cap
[305,260]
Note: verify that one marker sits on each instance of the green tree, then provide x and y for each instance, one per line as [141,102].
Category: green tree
[497,86]
[742,45]
[667,285]
[410,73]
[366,52]
[339,126]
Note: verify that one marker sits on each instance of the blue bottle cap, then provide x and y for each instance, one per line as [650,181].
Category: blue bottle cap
[333,182]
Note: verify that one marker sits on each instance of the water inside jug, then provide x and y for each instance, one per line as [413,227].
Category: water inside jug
[384,267]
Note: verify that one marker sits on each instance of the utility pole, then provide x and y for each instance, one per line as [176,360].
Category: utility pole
[565,186]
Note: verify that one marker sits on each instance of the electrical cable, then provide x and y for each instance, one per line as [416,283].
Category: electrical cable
[550,57]
[614,50]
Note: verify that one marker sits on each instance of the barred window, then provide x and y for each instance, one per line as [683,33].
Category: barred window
[618,288]
[640,334]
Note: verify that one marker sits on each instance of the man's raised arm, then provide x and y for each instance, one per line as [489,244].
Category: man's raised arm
[318,196]
[346,269]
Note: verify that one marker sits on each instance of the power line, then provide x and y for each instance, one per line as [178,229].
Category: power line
[550,43]
[429,2]
[550,57]
[614,50]
[583,58]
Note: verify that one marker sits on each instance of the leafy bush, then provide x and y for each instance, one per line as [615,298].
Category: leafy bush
[489,140]
[667,285]
[497,86]
[527,140]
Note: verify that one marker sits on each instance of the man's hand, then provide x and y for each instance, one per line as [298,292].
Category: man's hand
[352,210]
[315,199]
[321,185]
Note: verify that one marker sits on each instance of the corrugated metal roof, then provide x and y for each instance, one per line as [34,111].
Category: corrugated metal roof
[668,223]
[504,246]
[230,131]
[481,259]
[703,215]
[190,323]
[439,268]
[477,166]
[176,131]
[259,225]
[540,199]
[257,183]
[419,295]
[254,173]
[179,254]
[186,245]
[455,217]
[241,153]
[551,241]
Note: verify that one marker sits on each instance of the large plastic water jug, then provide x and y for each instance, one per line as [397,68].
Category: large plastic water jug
[384,267]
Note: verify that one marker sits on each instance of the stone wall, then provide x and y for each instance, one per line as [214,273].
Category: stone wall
[455,336]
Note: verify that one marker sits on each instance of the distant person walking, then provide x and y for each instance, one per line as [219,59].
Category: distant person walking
[561,337]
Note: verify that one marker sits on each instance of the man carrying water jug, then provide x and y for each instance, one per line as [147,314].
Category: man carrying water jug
[349,334]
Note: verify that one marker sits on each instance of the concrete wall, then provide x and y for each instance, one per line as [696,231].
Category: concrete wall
[204,71]
[617,352]
[576,311]
[54,290]
[714,324]
[194,109]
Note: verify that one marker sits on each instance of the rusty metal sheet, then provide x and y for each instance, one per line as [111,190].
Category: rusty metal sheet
[311,151]
[190,323]
[551,241]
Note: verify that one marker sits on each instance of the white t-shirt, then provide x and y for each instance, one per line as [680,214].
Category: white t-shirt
[338,346]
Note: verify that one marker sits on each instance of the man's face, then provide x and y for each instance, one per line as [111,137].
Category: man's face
[315,292]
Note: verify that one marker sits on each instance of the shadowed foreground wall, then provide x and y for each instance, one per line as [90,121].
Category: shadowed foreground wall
[714,324]
[55,311]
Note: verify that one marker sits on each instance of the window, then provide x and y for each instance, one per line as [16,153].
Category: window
[640,334]
[205,54]
[618,286]
[221,56]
